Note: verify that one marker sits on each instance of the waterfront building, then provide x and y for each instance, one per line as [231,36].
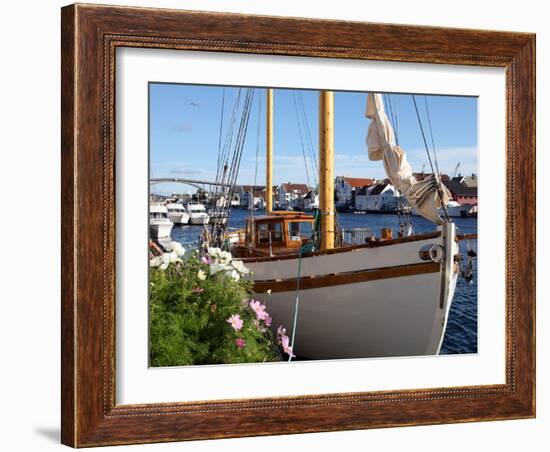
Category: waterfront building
[345,189]
[291,195]
[375,198]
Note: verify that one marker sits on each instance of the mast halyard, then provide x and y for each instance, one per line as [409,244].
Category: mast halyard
[269,153]
[326,168]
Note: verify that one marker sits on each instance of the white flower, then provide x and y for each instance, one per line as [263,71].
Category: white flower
[175,247]
[233,274]
[155,262]
[201,275]
[217,267]
[240,267]
[165,261]
[224,257]
[214,252]
[173,257]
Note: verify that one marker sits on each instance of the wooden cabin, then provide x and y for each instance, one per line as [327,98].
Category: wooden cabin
[271,235]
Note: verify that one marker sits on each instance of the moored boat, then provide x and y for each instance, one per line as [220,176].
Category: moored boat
[160,225]
[387,296]
[177,213]
[197,213]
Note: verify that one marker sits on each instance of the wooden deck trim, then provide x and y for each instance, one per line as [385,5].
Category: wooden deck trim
[335,279]
[343,249]
[466,237]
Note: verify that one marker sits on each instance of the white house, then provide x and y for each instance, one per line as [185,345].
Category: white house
[245,193]
[346,187]
[291,195]
[379,197]
[311,201]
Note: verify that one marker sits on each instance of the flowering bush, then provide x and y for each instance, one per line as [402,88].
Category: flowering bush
[201,312]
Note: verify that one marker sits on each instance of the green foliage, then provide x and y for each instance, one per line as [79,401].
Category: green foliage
[188,318]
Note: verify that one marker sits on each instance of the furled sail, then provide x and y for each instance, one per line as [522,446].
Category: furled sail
[426,196]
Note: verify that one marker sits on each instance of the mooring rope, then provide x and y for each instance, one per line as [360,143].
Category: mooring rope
[296,305]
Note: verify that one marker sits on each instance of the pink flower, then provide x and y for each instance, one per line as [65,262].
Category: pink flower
[240,343]
[235,321]
[280,332]
[198,290]
[268,320]
[259,309]
[206,260]
[286,348]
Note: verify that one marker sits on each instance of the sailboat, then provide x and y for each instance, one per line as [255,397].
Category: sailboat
[388,296]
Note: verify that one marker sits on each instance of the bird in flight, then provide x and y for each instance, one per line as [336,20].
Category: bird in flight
[193,104]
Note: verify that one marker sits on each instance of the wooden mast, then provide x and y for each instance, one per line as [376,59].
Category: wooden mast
[269,153]
[326,169]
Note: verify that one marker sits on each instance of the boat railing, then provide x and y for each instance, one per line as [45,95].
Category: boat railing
[357,236]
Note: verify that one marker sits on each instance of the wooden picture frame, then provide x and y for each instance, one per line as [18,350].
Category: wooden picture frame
[90,36]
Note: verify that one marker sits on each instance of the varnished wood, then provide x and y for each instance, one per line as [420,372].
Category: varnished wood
[336,279]
[326,168]
[91,34]
[466,236]
[347,248]
[269,153]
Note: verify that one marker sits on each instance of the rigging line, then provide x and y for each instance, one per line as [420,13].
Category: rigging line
[423,134]
[221,129]
[241,140]
[228,170]
[241,137]
[216,188]
[257,151]
[308,132]
[430,159]
[296,305]
[225,176]
[258,139]
[394,119]
[229,136]
[431,134]
[301,138]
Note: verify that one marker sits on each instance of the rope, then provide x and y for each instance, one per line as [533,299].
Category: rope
[430,160]
[308,136]
[301,138]
[296,304]
[257,153]
[221,130]
[431,134]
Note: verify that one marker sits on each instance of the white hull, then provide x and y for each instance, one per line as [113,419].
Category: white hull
[456,211]
[396,315]
[199,219]
[159,230]
[178,218]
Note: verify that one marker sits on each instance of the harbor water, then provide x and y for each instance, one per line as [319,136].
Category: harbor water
[461,333]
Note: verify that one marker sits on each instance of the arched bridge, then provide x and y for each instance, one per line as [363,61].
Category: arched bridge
[193,182]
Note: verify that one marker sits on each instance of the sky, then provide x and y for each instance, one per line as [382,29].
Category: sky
[184,134]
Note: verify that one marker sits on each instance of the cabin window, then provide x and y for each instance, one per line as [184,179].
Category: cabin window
[300,230]
[267,229]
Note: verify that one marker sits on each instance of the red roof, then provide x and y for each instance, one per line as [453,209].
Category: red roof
[358,182]
[299,188]
[422,176]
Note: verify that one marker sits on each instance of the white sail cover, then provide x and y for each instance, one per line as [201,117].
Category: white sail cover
[425,195]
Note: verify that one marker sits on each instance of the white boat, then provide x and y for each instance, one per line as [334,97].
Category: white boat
[197,213]
[455,209]
[177,213]
[160,225]
[385,297]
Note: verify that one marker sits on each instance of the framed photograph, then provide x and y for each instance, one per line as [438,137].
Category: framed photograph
[282,225]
